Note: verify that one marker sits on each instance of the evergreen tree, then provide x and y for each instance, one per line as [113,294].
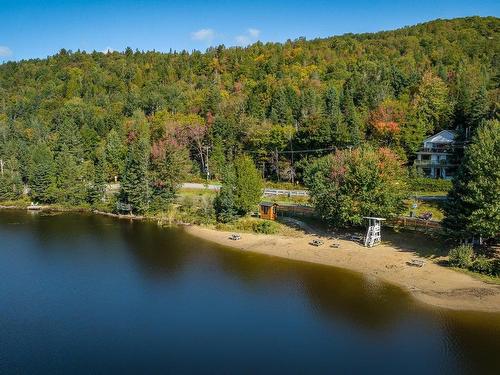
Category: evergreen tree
[11,186]
[225,201]
[135,183]
[96,177]
[114,155]
[169,166]
[473,205]
[352,122]
[69,137]
[217,159]
[43,175]
[248,184]
[479,110]
[71,187]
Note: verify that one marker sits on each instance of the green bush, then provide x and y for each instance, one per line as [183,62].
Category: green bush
[429,184]
[482,265]
[461,256]
[496,267]
[265,227]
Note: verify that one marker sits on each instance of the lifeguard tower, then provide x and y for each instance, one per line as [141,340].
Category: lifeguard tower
[373,236]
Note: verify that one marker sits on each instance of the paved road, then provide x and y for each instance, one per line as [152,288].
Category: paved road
[194,185]
[267,191]
[271,192]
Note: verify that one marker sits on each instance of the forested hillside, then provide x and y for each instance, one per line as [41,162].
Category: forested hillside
[73,121]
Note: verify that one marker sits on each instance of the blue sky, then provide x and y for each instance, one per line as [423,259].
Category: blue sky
[30,29]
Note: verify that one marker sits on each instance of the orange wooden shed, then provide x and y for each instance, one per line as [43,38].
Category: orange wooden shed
[267,210]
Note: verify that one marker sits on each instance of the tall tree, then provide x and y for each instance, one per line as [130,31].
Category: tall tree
[114,155]
[248,184]
[135,183]
[473,205]
[43,175]
[70,179]
[11,186]
[347,185]
[432,102]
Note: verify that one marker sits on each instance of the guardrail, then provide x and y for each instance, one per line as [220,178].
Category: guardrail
[288,193]
[416,223]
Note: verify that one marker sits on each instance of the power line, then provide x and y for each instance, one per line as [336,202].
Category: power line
[293,151]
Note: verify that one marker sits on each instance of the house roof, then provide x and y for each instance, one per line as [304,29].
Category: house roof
[444,136]
[267,204]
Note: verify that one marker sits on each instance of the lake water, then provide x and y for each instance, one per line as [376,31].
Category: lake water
[88,294]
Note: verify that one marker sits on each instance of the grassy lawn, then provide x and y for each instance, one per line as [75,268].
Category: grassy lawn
[436,207]
[196,192]
[430,193]
[480,276]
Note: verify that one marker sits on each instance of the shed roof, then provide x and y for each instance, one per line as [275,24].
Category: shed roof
[267,204]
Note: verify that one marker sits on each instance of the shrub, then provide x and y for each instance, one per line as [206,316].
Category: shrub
[482,265]
[461,256]
[265,227]
[429,184]
[496,267]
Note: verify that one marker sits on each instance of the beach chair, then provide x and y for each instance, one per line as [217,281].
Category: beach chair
[356,238]
[316,243]
[416,263]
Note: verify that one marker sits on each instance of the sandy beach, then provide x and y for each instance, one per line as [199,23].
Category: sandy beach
[431,284]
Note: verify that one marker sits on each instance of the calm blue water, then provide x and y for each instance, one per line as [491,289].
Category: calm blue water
[88,294]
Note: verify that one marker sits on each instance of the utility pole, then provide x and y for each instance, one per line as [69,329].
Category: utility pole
[277,164]
[207,170]
[293,167]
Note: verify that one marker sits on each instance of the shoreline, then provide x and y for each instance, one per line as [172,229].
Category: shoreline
[433,285]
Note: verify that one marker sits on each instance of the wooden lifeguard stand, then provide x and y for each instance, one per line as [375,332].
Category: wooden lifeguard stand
[373,236]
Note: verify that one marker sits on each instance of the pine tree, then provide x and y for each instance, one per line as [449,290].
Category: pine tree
[352,121]
[217,159]
[248,184]
[479,110]
[11,186]
[96,177]
[70,137]
[225,201]
[114,155]
[473,205]
[71,187]
[43,175]
[135,183]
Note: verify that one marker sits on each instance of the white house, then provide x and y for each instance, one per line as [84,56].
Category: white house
[435,159]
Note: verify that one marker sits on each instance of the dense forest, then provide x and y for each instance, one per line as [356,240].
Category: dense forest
[74,121]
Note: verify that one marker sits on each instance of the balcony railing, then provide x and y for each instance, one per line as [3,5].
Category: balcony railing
[436,163]
[438,150]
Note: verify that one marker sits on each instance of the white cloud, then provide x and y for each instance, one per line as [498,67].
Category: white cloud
[254,33]
[245,39]
[5,51]
[242,40]
[204,35]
